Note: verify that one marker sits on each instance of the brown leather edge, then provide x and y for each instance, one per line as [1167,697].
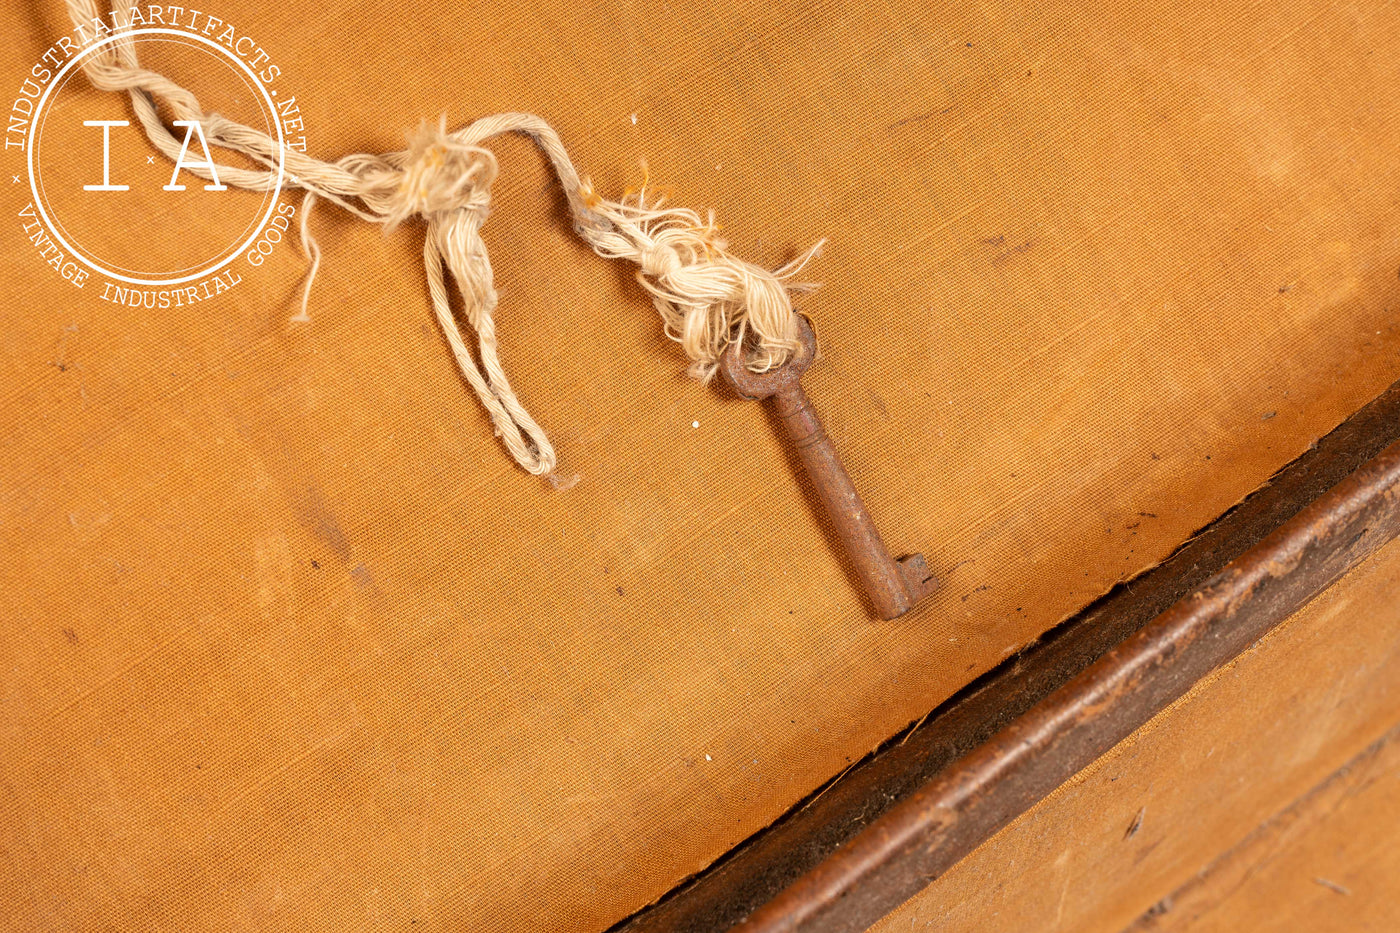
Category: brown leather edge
[878,833]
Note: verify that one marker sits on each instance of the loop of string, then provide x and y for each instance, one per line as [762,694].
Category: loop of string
[706,297]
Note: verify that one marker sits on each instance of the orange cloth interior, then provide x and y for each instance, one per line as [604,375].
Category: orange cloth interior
[289,642]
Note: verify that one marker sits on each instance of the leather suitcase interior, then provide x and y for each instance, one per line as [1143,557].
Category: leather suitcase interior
[1106,322]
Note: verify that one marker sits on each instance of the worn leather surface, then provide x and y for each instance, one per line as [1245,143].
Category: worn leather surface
[288,642]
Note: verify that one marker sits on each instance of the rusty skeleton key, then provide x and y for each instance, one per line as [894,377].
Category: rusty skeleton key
[893,586]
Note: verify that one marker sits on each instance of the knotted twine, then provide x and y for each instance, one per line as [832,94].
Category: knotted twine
[707,297]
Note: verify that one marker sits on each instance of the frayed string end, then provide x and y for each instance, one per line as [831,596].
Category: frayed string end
[706,296]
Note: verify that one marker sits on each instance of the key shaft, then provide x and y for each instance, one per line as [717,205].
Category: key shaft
[892,586]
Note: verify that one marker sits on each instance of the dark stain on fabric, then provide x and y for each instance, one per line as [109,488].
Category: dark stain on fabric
[879,403]
[1012,253]
[981,589]
[317,516]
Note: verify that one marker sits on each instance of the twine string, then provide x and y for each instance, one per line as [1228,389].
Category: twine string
[706,297]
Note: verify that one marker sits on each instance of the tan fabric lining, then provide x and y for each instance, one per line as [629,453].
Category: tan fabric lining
[287,642]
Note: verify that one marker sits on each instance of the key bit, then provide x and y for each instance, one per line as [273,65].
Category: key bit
[893,586]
